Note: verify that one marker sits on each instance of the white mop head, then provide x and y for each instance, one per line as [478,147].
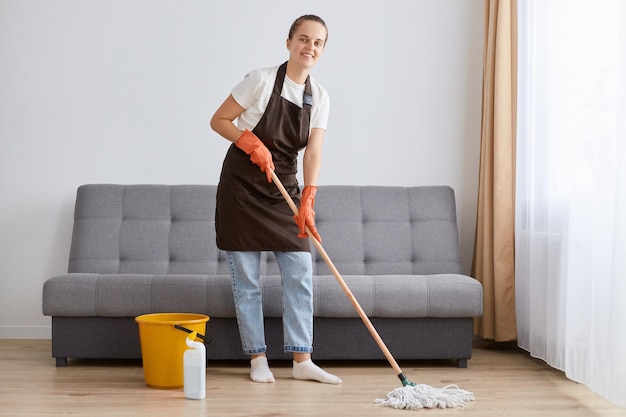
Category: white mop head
[412,397]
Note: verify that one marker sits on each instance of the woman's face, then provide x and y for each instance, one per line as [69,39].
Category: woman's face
[307,43]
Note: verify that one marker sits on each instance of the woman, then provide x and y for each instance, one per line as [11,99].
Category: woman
[280,111]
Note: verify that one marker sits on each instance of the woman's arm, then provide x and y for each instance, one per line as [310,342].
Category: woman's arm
[312,159]
[222,120]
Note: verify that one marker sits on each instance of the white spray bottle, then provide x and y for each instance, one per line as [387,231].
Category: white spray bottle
[194,369]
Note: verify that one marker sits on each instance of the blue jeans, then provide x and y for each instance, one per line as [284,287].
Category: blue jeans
[297,285]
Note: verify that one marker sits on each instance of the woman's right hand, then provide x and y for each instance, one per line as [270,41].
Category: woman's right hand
[259,154]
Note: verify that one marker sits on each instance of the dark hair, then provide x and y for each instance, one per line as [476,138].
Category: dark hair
[296,24]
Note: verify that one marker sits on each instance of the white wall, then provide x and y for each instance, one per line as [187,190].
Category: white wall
[121,91]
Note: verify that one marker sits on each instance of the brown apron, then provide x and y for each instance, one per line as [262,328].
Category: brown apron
[251,214]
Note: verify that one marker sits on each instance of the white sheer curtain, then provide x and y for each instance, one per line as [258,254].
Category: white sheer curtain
[571,189]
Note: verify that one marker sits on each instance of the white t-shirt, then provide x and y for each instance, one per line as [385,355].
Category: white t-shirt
[254,92]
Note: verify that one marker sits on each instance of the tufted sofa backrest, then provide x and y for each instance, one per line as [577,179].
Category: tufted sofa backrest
[169,229]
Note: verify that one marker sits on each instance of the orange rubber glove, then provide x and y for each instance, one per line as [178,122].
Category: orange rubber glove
[259,154]
[306,214]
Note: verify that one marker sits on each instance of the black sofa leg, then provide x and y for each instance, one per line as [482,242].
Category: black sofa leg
[461,362]
[61,362]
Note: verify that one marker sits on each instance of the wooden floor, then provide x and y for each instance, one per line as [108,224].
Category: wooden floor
[504,380]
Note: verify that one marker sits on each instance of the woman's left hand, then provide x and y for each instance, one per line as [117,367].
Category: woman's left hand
[306,214]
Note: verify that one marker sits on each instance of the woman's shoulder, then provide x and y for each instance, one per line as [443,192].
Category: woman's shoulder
[263,74]
[254,85]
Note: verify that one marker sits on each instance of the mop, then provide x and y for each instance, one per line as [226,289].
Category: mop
[410,396]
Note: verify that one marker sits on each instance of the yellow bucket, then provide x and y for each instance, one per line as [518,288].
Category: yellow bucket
[163,346]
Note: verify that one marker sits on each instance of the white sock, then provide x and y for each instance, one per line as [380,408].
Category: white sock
[310,371]
[260,370]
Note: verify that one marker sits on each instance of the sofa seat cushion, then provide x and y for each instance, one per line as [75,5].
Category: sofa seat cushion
[390,296]
[131,295]
[400,296]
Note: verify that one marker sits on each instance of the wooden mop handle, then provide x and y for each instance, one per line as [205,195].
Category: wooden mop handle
[340,280]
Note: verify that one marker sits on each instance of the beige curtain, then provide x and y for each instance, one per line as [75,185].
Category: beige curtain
[494,250]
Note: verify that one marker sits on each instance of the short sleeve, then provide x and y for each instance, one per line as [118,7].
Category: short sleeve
[248,91]
[320,112]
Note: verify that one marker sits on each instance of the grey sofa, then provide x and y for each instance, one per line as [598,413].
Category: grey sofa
[139,249]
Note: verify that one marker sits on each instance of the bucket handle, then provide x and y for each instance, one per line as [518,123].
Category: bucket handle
[186,330]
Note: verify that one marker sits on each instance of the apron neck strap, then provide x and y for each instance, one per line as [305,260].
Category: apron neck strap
[307,98]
